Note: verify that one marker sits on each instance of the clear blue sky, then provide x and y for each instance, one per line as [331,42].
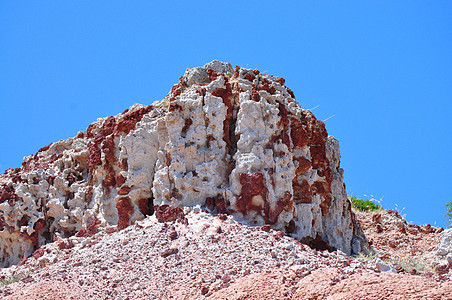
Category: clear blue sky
[382,68]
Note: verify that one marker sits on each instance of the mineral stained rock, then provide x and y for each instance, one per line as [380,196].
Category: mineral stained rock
[234,141]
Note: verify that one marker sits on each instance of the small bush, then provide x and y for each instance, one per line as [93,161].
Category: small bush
[364,205]
[412,263]
[12,279]
[449,212]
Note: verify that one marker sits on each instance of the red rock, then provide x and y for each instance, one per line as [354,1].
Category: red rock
[265,86]
[222,217]
[290,227]
[93,223]
[213,75]
[123,164]
[303,165]
[125,209]
[108,147]
[94,157]
[176,90]
[169,252]
[7,193]
[265,228]
[443,268]
[146,206]
[45,148]
[38,253]
[82,232]
[173,235]
[393,212]
[249,76]
[21,262]
[124,190]
[38,227]
[280,234]
[109,180]
[65,245]
[402,229]
[119,180]
[109,126]
[255,95]
[252,185]
[187,125]
[376,218]
[204,290]
[23,221]
[378,228]
[298,134]
[130,119]
[167,213]
[302,193]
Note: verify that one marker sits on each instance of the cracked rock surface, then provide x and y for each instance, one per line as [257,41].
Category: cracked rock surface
[233,141]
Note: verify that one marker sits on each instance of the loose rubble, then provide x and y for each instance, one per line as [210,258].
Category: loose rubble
[406,248]
[196,255]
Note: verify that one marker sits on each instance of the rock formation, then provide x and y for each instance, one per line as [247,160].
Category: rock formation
[232,141]
[445,246]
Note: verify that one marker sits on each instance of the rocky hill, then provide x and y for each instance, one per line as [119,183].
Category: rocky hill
[231,140]
[225,189]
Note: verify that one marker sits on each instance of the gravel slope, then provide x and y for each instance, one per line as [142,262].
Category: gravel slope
[202,256]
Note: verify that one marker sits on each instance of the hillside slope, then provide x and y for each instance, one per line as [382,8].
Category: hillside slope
[199,256]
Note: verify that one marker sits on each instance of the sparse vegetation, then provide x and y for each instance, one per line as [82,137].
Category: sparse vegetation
[12,279]
[363,256]
[449,212]
[162,103]
[364,205]
[411,263]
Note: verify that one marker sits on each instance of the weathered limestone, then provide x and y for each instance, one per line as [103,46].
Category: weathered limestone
[445,246]
[232,141]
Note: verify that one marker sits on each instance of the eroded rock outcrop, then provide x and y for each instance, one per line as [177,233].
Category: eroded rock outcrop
[232,141]
[445,246]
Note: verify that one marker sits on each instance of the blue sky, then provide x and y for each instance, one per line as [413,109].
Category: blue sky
[382,68]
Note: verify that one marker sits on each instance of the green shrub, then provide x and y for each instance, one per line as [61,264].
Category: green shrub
[364,205]
[12,279]
[449,212]
[412,263]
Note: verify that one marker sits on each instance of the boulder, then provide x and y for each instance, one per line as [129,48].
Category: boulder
[445,246]
[233,141]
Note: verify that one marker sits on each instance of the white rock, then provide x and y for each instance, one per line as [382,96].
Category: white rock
[239,144]
[383,266]
[445,246]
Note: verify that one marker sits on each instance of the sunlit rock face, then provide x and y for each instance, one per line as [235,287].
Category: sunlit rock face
[233,141]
